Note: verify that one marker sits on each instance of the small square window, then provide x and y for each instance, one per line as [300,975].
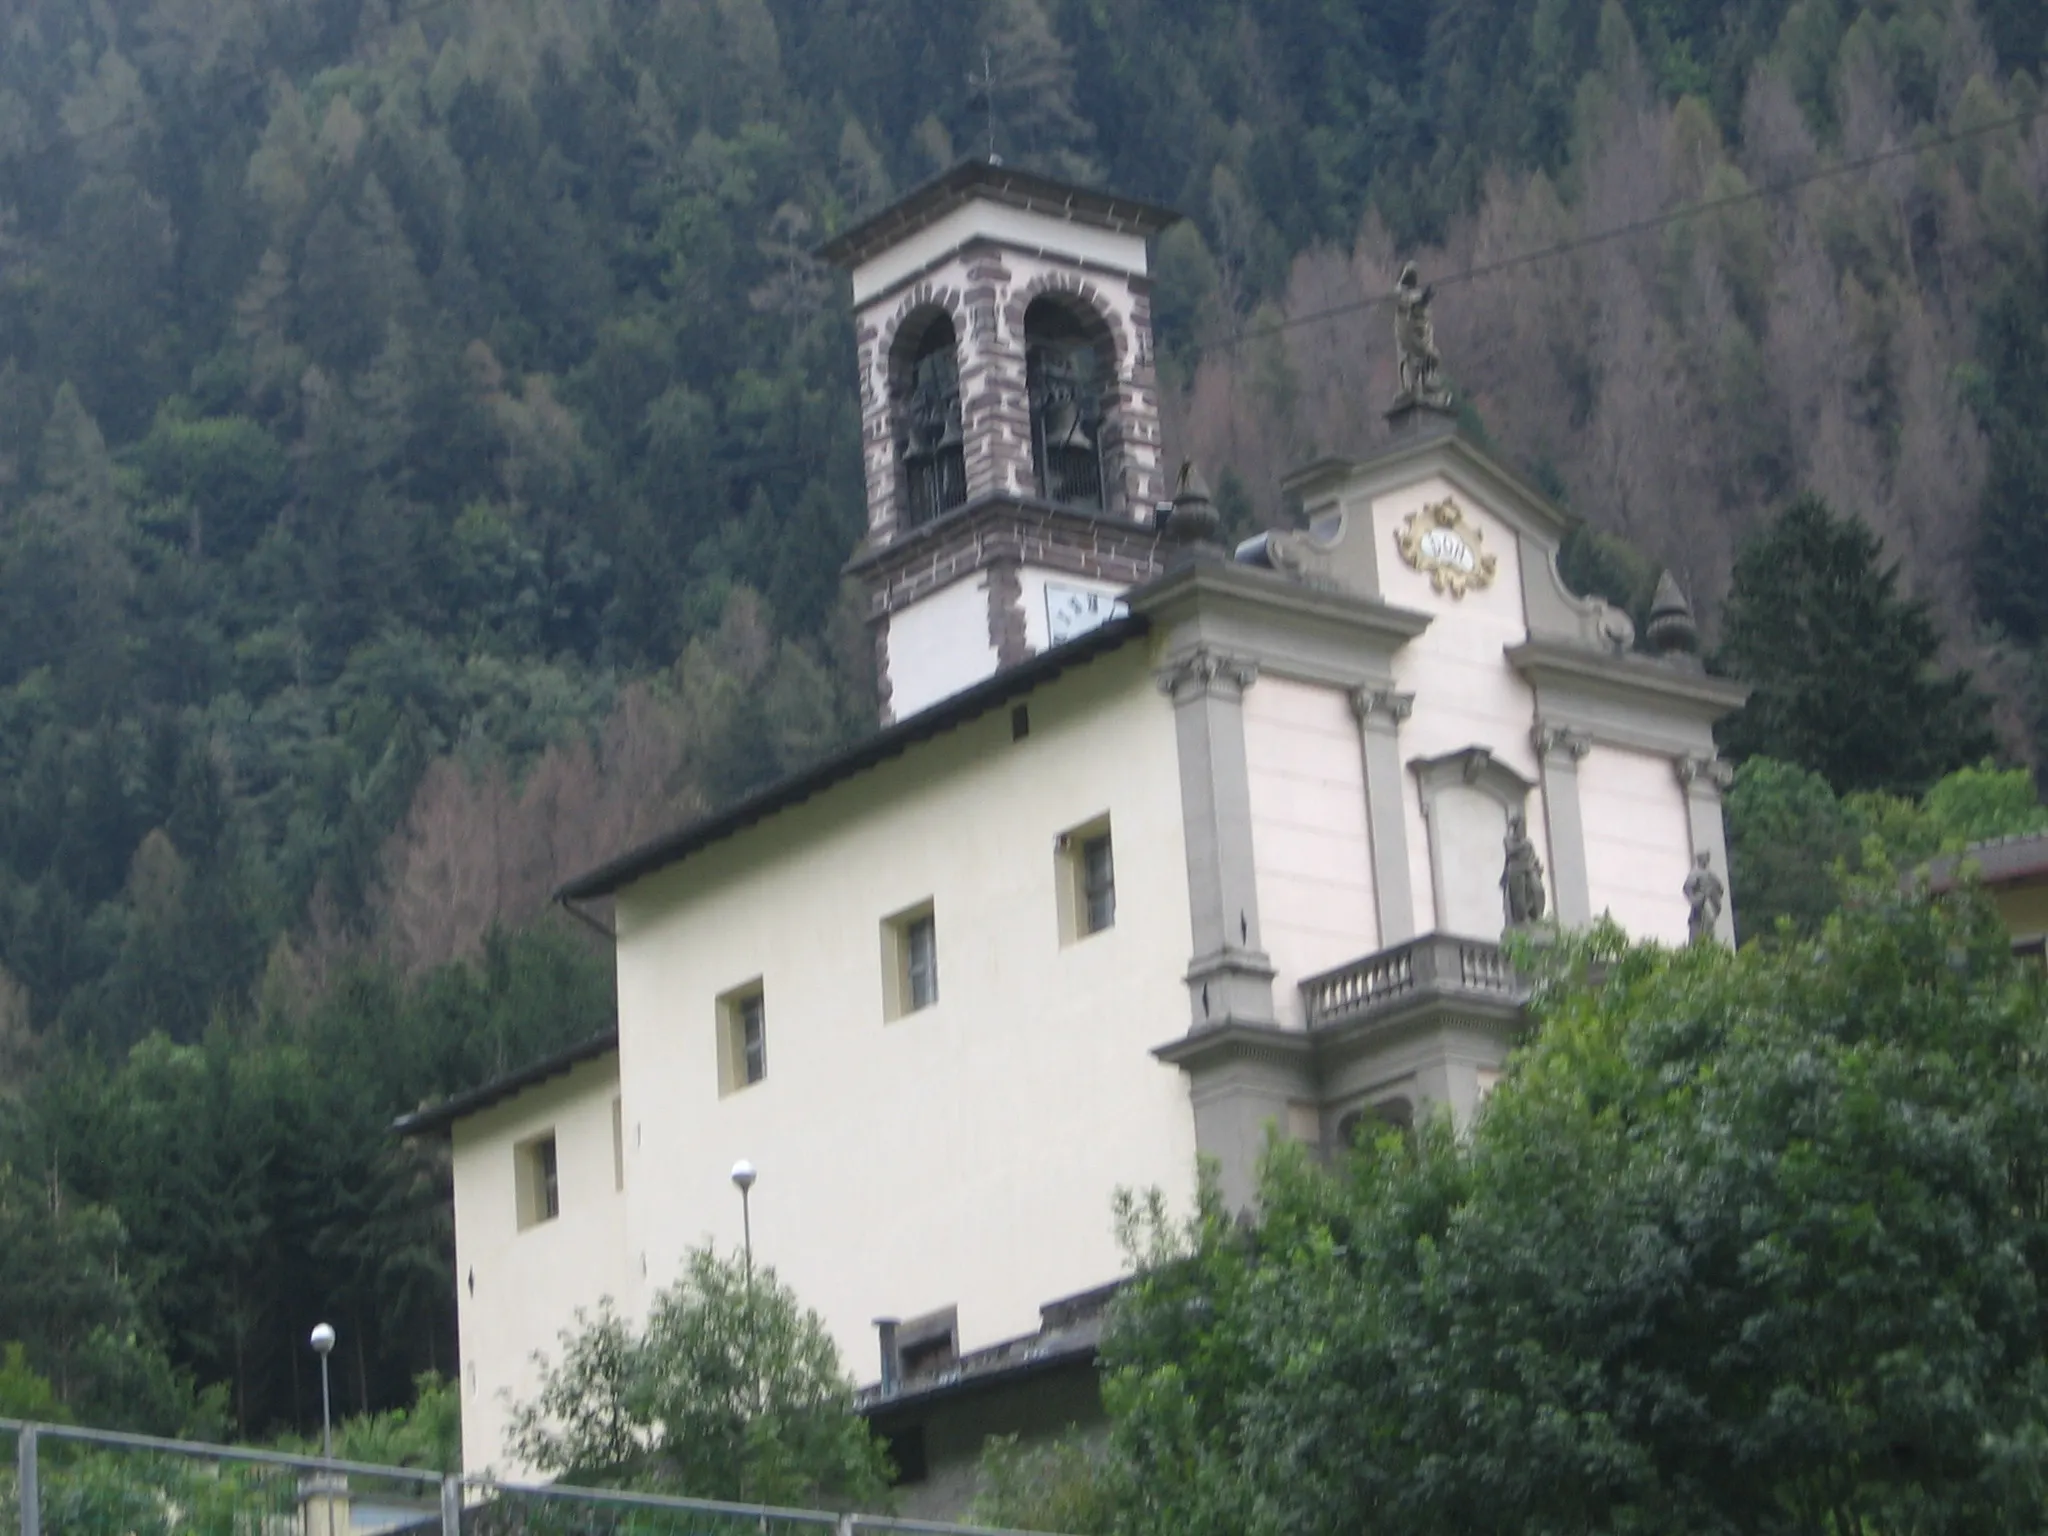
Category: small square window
[910,961]
[539,1180]
[1086,869]
[742,1038]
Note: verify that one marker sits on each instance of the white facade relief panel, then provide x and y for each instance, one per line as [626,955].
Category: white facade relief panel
[1466,695]
[938,646]
[1637,839]
[1309,834]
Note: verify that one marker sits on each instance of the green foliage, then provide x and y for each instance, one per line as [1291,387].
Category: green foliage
[1745,1242]
[2010,394]
[24,1394]
[75,1324]
[427,1435]
[1066,1484]
[1843,668]
[733,1390]
[1792,843]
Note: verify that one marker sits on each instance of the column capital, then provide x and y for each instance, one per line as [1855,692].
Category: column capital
[1202,672]
[1381,708]
[1563,741]
[1701,771]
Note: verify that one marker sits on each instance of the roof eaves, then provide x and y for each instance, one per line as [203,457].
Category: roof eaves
[892,741]
[1000,183]
[436,1118]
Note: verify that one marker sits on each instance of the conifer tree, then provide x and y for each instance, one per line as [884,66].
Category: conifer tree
[2011,402]
[1843,665]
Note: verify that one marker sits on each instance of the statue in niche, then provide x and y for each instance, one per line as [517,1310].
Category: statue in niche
[1704,894]
[1421,366]
[1521,882]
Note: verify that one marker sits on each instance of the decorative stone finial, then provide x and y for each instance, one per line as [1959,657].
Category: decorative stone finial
[1672,631]
[1194,524]
[1420,364]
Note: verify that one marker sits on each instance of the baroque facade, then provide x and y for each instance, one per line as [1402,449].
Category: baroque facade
[1161,850]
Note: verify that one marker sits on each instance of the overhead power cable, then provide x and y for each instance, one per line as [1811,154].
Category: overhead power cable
[1641,226]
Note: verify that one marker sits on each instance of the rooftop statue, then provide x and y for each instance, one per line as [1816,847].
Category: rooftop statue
[1415,343]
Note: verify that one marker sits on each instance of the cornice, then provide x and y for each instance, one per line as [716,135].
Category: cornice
[1554,662]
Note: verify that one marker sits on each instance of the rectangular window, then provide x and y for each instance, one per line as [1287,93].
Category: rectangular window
[1085,867]
[539,1180]
[910,961]
[1098,884]
[921,940]
[618,1143]
[742,1038]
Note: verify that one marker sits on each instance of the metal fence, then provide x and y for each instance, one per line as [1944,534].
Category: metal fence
[64,1481]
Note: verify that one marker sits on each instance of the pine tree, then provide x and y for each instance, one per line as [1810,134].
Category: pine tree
[2011,402]
[1843,667]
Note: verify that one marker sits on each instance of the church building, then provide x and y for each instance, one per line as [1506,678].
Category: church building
[1160,848]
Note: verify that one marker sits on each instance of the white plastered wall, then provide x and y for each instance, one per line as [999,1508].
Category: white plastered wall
[1019,227]
[1637,841]
[938,646]
[967,1154]
[1466,693]
[1309,833]
[529,1284]
[1032,582]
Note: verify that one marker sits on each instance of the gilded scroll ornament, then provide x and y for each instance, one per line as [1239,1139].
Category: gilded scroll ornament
[1440,541]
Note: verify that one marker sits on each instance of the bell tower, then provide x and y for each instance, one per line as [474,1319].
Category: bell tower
[1009,420]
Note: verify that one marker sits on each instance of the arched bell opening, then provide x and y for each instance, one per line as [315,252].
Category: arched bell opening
[925,383]
[1068,374]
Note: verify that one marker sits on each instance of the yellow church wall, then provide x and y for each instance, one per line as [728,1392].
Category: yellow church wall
[976,1145]
[530,1280]
[2024,907]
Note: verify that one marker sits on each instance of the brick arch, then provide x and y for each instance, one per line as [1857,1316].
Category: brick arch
[1087,303]
[918,307]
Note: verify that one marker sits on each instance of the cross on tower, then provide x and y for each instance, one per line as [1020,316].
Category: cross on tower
[985,84]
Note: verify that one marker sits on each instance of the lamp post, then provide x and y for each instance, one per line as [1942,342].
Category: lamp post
[323,1346]
[743,1181]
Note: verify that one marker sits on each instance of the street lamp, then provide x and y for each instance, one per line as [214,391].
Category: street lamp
[323,1346]
[743,1181]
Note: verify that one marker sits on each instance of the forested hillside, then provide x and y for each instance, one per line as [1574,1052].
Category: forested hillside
[427,452]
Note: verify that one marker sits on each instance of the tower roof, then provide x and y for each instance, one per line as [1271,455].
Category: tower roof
[981,180]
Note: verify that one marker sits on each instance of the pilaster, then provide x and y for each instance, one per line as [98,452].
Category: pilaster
[1229,977]
[1559,750]
[1379,712]
[1703,777]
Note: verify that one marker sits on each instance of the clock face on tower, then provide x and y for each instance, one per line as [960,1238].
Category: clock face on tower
[1071,611]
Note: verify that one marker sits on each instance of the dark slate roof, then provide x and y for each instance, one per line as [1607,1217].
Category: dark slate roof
[1069,1333]
[996,183]
[1998,861]
[439,1117]
[892,741]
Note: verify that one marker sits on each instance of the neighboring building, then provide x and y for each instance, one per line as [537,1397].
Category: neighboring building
[1165,851]
[2014,873]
